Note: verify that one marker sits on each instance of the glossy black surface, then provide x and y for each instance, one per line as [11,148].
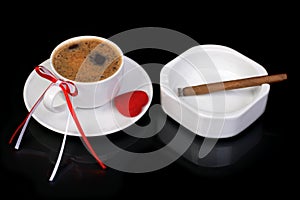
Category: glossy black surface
[260,160]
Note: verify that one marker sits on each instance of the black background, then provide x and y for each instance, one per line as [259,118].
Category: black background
[262,33]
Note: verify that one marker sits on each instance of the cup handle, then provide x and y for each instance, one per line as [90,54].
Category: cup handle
[54,99]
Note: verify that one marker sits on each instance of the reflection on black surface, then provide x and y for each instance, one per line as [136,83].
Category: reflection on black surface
[74,149]
[79,176]
[51,141]
[40,147]
[226,151]
[37,156]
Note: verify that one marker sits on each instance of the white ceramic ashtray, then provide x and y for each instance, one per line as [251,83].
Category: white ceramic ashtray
[215,115]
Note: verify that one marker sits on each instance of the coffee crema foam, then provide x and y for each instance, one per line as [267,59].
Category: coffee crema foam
[87,60]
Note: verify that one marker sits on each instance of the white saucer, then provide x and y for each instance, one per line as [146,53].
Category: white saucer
[95,122]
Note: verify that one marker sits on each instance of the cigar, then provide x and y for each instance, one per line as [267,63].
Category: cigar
[229,85]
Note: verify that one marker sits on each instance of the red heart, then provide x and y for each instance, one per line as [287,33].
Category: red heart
[130,104]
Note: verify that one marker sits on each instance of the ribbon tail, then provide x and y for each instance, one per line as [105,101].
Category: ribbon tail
[17,130]
[60,152]
[24,124]
[73,114]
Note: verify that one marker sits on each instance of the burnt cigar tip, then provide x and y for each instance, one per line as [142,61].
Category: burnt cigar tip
[180,92]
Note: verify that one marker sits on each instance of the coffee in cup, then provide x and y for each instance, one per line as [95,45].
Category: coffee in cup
[87,60]
[93,64]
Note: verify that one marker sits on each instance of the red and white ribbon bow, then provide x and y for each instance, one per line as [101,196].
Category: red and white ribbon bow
[68,88]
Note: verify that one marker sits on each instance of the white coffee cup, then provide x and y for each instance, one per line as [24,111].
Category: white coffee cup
[90,94]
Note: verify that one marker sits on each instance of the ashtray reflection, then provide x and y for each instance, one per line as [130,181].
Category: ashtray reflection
[225,152]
